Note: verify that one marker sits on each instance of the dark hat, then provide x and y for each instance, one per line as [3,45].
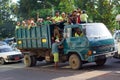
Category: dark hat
[83,11]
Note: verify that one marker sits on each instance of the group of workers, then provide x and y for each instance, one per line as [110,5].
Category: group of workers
[76,17]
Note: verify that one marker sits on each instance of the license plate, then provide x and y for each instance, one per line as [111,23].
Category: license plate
[17,58]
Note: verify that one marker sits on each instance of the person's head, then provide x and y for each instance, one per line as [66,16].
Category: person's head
[28,22]
[78,31]
[57,13]
[74,12]
[18,23]
[40,20]
[48,18]
[23,22]
[63,14]
[83,11]
[32,23]
[78,11]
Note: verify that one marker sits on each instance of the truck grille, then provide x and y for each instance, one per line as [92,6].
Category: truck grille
[104,48]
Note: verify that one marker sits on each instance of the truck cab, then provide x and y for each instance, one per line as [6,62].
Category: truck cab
[96,44]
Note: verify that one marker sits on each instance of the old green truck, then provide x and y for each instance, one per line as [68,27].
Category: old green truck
[96,44]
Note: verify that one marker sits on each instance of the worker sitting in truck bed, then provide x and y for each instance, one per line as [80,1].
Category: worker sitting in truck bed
[17,26]
[57,18]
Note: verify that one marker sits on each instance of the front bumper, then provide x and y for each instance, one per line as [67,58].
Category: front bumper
[14,58]
[96,57]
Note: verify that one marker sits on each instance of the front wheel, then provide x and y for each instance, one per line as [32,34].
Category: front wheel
[75,62]
[101,62]
[2,61]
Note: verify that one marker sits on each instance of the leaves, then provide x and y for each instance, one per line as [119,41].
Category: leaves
[98,10]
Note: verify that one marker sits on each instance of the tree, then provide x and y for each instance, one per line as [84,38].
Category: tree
[4,11]
[7,29]
[66,6]
[98,10]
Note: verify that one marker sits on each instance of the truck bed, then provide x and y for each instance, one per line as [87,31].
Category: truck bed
[33,38]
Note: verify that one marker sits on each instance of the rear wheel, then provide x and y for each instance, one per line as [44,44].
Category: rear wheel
[75,62]
[29,61]
[2,61]
[34,61]
[101,62]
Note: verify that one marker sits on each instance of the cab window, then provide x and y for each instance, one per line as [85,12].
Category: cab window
[77,32]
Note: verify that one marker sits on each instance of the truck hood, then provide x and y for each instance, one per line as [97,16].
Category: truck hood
[101,42]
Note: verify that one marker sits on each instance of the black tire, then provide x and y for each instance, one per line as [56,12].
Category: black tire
[34,61]
[29,61]
[2,61]
[101,62]
[75,62]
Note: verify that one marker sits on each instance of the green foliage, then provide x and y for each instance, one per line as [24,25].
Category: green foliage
[4,11]
[98,11]
[14,8]
[45,12]
[66,6]
[7,29]
[27,7]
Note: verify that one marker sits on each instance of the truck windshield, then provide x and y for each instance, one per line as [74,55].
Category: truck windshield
[97,30]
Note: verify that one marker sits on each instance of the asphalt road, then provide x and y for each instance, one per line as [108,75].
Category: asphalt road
[43,71]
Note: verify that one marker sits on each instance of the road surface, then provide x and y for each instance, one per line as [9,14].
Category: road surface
[43,71]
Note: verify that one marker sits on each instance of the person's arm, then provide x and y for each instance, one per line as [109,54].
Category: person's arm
[61,42]
[86,15]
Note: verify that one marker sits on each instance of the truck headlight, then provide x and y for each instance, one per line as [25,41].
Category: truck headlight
[94,52]
[112,49]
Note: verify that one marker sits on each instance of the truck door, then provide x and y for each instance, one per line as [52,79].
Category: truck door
[76,42]
[78,39]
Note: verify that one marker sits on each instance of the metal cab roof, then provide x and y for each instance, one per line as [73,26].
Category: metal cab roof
[80,25]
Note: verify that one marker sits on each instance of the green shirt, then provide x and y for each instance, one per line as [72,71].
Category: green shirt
[77,35]
[47,22]
[57,19]
[83,17]
[17,27]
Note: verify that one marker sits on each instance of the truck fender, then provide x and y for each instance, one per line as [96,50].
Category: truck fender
[75,52]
